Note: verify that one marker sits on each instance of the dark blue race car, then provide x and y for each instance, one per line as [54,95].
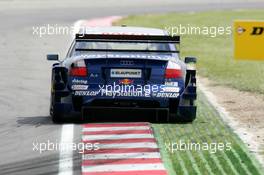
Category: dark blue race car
[124,69]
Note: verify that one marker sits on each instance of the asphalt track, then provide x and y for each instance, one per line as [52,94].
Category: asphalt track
[25,75]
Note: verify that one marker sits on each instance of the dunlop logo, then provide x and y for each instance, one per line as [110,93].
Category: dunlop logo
[257,31]
[249,40]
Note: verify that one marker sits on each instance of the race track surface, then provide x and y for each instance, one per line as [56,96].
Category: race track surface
[25,74]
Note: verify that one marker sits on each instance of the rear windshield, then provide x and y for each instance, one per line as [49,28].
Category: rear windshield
[82,48]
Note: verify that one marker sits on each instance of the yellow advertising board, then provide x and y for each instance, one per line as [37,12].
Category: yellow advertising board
[249,40]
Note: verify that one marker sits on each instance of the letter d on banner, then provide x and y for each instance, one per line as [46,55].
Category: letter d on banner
[248,40]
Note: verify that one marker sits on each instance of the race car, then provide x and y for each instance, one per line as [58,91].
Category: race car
[123,69]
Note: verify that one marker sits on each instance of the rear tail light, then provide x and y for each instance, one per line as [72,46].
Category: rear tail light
[79,69]
[173,70]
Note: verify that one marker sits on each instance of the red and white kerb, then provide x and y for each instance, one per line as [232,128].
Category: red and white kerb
[124,149]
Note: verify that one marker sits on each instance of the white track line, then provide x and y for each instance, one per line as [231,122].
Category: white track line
[66,163]
[127,167]
[121,156]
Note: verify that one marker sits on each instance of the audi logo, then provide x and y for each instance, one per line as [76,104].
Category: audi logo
[126,62]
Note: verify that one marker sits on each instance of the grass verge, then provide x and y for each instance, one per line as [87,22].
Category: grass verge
[207,129]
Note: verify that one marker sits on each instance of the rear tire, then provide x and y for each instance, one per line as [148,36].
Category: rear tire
[173,106]
[187,115]
[55,115]
[56,118]
[183,116]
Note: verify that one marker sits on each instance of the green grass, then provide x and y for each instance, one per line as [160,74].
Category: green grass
[215,54]
[207,128]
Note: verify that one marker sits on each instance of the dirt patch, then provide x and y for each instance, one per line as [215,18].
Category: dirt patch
[244,113]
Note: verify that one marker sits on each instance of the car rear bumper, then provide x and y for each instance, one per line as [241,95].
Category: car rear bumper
[123,111]
[86,112]
[139,101]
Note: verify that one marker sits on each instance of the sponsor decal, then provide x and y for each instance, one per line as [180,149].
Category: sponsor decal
[131,56]
[117,90]
[123,94]
[125,73]
[173,83]
[240,30]
[171,89]
[126,81]
[79,81]
[248,40]
[93,75]
[167,95]
[79,87]
[257,30]
[86,93]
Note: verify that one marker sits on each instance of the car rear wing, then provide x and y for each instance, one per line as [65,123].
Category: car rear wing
[127,39]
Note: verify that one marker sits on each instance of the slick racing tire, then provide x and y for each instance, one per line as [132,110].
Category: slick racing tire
[56,118]
[185,115]
[55,115]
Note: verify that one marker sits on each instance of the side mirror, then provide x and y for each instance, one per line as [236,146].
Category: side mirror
[190,60]
[52,57]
